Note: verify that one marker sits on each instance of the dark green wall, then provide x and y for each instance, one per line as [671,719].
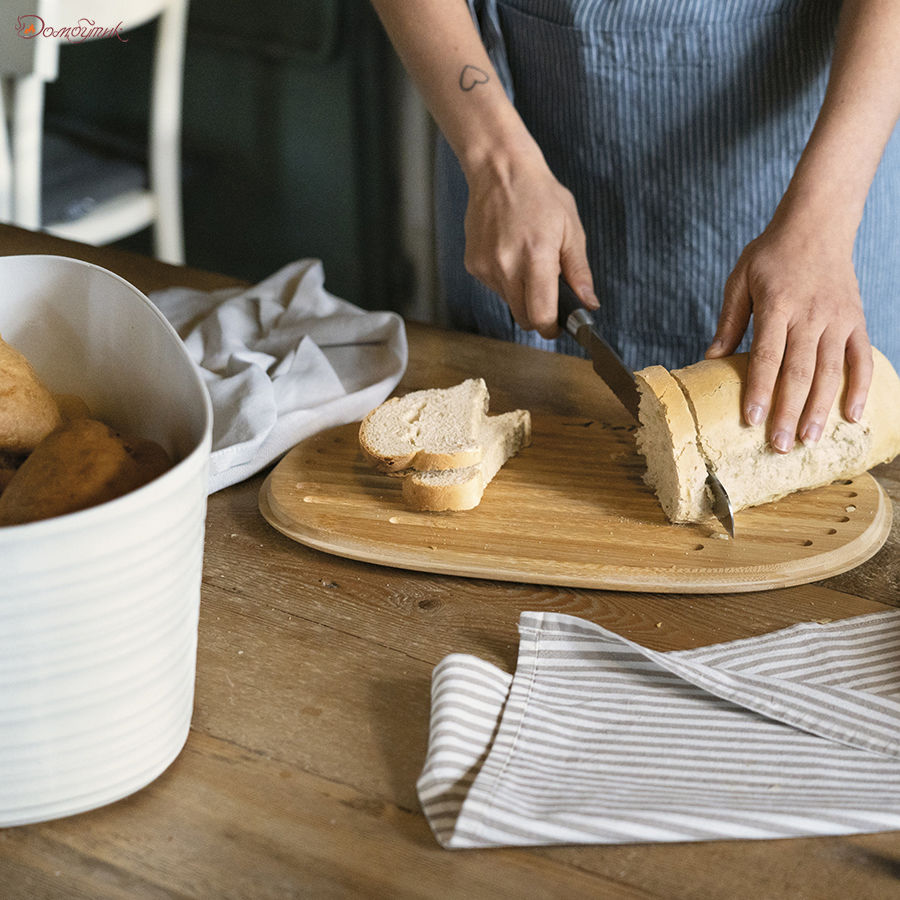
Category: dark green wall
[288,137]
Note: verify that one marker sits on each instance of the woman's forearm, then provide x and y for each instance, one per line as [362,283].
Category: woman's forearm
[522,226]
[860,110]
[440,47]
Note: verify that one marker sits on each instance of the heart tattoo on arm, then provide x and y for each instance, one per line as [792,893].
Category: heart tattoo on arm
[471,76]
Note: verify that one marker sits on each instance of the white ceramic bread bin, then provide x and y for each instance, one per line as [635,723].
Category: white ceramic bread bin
[99,608]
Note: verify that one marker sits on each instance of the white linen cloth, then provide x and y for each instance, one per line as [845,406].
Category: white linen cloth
[599,740]
[282,360]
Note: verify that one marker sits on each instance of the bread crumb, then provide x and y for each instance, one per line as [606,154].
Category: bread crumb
[849,509]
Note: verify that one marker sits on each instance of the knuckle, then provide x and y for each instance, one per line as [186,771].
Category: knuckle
[798,371]
[774,298]
[475,265]
[729,319]
[830,370]
[767,357]
[789,411]
[817,411]
[538,251]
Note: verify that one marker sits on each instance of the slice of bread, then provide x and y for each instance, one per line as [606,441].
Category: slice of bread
[677,447]
[439,428]
[462,488]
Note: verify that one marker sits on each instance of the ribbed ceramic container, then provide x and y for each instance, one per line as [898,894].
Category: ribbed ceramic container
[98,609]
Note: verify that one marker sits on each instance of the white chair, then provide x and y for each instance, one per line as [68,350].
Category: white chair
[27,64]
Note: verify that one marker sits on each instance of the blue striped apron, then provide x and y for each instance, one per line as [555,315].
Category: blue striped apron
[677,125]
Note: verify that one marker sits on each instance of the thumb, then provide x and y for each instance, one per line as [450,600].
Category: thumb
[735,315]
[576,270]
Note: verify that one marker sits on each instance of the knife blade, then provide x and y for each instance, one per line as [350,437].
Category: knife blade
[578,322]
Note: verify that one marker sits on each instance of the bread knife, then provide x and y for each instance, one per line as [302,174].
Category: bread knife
[620,379]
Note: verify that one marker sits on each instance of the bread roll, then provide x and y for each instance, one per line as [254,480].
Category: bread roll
[9,464]
[71,406]
[28,412]
[692,416]
[80,464]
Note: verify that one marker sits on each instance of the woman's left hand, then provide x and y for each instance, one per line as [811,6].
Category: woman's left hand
[800,287]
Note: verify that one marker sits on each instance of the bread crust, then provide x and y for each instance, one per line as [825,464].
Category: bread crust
[422,493]
[28,412]
[882,411]
[463,488]
[79,465]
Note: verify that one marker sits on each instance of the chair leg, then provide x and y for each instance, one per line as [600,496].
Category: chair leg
[28,118]
[168,233]
[165,132]
[5,161]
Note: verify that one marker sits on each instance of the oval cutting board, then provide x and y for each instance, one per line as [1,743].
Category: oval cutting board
[572,510]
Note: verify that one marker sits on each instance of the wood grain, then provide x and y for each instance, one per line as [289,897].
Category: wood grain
[571,509]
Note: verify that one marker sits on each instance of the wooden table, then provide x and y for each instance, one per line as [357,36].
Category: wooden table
[312,701]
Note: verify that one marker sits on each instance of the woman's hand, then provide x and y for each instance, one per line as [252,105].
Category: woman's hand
[797,277]
[800,287]
[522,230]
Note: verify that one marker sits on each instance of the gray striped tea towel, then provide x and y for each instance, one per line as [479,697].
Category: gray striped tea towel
[598,740]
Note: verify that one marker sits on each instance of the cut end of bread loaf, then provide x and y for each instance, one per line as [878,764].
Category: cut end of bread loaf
[667,439]
[501,437]
[430,429]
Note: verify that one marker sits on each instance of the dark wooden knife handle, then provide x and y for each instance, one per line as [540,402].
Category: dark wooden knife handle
[569,304]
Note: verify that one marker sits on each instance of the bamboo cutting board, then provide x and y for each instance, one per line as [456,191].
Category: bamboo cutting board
[572,510]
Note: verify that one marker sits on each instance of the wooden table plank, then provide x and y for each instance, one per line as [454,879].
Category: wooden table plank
[311,711]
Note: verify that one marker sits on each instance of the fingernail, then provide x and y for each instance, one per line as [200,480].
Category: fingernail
[588,297]
[782,441]
[856,413]
[811,434]
[715,347]
[755,414]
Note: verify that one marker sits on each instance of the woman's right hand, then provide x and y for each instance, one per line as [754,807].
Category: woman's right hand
[522,227]
[522,231]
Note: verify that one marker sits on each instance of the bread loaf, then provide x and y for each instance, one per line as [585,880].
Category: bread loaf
[80,464]
[692,416]
[28,412]
[9,464]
